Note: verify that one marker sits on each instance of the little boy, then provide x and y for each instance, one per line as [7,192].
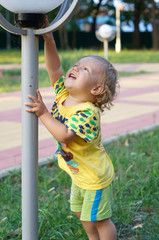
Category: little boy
[74,122]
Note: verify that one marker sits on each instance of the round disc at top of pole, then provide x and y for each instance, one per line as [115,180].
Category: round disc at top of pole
[30,6]
[29,20]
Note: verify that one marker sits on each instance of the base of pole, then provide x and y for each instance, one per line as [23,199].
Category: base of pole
[29,20]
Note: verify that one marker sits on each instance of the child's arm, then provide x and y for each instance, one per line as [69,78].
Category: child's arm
[52,60]
[56,128]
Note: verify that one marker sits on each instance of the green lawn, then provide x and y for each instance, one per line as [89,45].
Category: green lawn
[11,79]
[136,195]
[71,56]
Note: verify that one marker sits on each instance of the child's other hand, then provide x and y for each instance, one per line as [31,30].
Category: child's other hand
[37,106]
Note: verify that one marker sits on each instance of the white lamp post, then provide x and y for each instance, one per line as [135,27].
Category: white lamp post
[119,7]
[29,17]
[105,34]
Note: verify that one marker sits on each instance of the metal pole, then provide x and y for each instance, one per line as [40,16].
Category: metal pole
[106,49]
[30,50]
[118,38]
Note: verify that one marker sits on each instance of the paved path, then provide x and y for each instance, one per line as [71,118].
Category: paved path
[136,106]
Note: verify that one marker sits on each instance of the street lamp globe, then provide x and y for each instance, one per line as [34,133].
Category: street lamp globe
[30,6]
[106,32]
[30,13]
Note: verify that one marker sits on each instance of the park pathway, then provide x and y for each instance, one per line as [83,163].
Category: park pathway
[136,107]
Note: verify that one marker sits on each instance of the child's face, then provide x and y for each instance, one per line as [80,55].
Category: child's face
[83,77]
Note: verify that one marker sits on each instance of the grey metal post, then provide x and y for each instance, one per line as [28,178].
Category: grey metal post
[30,50]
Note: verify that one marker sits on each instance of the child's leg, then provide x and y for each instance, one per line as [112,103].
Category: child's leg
[90,228]
[92,206]
[106,230]
[100,230]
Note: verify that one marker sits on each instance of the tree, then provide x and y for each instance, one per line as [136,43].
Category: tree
[135,14]
[139,8]
[63,35]
[10,17]
[155,24]
[95,13]
[147,10]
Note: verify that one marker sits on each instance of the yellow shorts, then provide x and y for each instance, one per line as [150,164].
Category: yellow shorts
[94,205]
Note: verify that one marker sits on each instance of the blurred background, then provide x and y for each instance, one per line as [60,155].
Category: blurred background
[139,24]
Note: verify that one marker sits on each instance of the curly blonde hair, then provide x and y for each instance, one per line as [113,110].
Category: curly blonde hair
[109,79]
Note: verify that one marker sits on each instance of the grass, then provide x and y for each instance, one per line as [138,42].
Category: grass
[11,79]
[136,194]
[125,56]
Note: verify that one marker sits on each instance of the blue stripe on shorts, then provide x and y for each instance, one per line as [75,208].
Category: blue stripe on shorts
[95,205]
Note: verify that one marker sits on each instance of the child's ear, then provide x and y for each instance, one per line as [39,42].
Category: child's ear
[97,90]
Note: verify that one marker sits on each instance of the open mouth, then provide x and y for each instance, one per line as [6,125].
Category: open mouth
[71,75]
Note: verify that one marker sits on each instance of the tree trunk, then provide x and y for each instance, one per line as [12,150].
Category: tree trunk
[136,38]
[66,40]
[96,11]
[74,38]
[63,35]
[74,32]
[155,23]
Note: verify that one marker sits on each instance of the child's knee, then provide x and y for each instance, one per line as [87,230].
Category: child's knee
[105,222]
[91,230]
[106,229]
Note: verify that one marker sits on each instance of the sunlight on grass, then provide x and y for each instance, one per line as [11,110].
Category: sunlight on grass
[11,56]
[125,56]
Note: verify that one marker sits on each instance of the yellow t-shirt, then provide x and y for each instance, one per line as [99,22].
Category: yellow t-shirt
[84,159]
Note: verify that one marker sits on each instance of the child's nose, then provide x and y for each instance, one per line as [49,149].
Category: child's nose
[75,68]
